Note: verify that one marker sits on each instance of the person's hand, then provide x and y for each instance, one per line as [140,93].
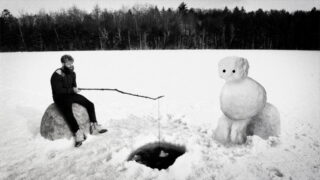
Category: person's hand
[76,90]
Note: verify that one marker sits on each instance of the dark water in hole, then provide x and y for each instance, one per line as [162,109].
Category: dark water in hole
[149,154]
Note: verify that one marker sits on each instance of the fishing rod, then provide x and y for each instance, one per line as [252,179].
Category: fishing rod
[162,154]
[122,92]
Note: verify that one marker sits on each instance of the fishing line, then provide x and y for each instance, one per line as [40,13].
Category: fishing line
[159,126]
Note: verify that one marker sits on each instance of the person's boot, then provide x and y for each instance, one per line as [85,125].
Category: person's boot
[79,138]
[96,128]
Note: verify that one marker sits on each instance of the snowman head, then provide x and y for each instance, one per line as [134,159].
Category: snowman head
[233,68]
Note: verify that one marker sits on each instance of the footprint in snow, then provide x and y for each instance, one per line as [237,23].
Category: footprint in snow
[273,141]
[109,157]
[275,172]
[51,154]
[316,144]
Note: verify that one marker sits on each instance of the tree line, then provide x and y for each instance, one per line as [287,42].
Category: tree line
[147,27]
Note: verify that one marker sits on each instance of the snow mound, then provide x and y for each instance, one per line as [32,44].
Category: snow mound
[266,123]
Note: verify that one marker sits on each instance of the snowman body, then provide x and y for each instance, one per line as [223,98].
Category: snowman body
[242,99]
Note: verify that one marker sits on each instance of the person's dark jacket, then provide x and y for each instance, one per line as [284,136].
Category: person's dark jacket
[62,83]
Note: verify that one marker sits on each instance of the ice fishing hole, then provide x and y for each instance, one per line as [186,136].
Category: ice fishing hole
[157,155]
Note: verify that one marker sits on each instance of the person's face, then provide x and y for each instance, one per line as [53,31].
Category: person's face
[68,64]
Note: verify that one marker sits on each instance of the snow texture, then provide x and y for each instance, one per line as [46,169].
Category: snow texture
[189,113]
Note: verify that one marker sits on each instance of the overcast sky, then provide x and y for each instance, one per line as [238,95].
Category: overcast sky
[16,7]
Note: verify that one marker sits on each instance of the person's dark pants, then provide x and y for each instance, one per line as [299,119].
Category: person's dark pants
[64,104]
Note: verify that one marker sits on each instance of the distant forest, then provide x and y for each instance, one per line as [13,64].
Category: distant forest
[147,27]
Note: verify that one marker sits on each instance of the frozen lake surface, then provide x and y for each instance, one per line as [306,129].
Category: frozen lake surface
[189,113]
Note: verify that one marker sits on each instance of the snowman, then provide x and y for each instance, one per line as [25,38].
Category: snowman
[243,102]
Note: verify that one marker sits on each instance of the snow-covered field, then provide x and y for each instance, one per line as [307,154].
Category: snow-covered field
[189,113]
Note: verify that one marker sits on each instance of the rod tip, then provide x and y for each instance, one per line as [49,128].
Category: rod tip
[160,97]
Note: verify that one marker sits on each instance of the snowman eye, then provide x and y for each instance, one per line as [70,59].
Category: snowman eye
[224,71]
[233,71]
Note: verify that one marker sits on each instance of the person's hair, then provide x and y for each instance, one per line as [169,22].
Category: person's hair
[66,58]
